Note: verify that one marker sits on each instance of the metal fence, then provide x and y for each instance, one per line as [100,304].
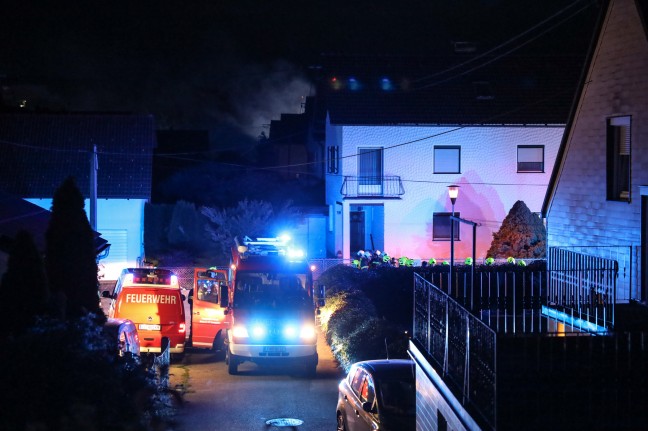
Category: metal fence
[627,258]
[460,345]
[583,286]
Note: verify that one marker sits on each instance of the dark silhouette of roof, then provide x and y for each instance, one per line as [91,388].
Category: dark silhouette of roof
[17,214]
[450,91]
[39,151]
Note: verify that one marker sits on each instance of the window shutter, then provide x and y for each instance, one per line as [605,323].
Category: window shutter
[623,123]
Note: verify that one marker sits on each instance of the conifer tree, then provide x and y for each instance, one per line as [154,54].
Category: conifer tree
[70,257]
[522,235]
[24,278]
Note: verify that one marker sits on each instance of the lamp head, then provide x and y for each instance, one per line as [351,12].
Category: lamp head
[453,192]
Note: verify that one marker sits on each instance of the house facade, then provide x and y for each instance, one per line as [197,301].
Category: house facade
[110,157]
[388,188]
[598,199]
[395,144]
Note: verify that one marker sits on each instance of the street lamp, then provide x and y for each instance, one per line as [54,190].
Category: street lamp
[453,192]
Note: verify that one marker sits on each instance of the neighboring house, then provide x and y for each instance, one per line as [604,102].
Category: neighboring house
[399,132]
[597,202]
[40,150]
[17,214]
[562,348]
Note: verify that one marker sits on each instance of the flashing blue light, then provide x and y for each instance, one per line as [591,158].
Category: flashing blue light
[386,84]
[354,84]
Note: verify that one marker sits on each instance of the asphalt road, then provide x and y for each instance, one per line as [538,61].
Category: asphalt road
[214,400]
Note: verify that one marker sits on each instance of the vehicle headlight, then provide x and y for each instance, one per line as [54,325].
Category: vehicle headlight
[240,331]
[307,332]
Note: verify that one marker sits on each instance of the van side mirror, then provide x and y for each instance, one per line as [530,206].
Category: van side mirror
[106,294]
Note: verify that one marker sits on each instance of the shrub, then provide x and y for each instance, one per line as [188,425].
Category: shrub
[64,375]
[343,313]
[521,235]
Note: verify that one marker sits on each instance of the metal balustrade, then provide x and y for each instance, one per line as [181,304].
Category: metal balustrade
[365,186]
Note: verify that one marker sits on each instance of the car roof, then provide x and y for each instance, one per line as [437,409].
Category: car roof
[116,322]
[385,368]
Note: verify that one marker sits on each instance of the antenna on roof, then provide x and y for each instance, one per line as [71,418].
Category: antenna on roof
[386,348]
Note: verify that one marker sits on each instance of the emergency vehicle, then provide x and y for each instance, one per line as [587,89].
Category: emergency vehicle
[209,301]
[272,307]
[151,298]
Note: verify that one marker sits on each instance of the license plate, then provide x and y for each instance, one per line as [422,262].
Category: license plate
[274,348]
[148,327]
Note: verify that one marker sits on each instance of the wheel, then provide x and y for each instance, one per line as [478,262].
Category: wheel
[219,348]
[232,363]
[340,423]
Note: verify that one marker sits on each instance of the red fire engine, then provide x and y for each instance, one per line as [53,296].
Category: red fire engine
[272,310]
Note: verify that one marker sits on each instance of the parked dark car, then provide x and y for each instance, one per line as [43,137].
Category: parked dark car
[122,333]
[378,395]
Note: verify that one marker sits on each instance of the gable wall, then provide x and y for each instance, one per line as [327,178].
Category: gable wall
[579,213]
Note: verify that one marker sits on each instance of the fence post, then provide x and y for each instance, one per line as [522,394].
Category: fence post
[164,361]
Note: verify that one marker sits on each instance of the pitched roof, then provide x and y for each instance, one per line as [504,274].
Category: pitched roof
[17,214]
[450,91]
[39,151]
[606,5]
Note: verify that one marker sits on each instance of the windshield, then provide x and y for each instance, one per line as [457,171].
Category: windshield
[256,288]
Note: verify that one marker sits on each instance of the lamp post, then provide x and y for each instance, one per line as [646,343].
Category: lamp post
[453,193]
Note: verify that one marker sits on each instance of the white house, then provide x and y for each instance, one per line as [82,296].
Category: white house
[40,150]
[598,199]
[394,150]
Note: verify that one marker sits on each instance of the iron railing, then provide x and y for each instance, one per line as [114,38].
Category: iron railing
[627,282]
[583,286]
[460,345]
[365,186]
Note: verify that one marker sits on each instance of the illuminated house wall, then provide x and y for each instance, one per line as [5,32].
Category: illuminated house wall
[120,222]
[579,210]
[489,179]
[40,150]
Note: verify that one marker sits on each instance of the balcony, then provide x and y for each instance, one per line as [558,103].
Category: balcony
[372,187]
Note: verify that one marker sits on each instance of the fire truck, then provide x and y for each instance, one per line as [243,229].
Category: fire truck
[272,309]
[209,302]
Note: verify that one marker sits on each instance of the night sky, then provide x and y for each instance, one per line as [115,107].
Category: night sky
[207,64]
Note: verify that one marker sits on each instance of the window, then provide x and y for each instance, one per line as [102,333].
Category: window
[370,166]
[333,165]
[618,159]
[447,160]
[530,158]
[441,227]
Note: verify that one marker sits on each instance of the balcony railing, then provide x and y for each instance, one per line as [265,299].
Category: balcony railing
[365,186]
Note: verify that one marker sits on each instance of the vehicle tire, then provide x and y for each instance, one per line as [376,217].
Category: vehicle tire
[232,363]
[219,348]
[341,426]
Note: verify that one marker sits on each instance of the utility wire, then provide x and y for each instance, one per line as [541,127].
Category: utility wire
[506,43]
